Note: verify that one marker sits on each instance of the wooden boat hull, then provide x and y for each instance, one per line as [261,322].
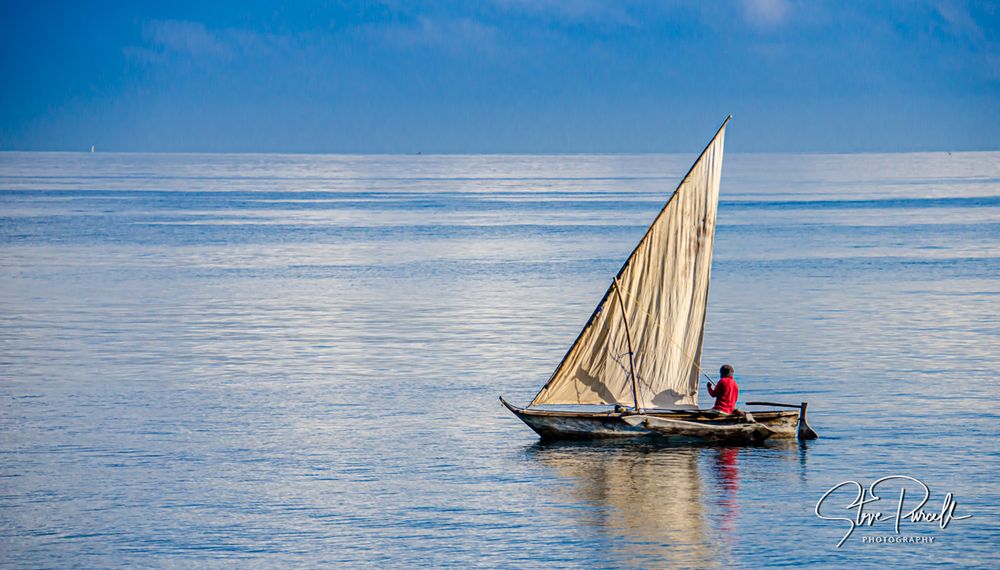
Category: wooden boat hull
[575,425]
[728,430]
[549,424]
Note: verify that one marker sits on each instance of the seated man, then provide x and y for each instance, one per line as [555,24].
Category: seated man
[725,392]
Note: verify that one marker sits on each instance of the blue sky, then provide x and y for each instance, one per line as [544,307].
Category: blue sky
[500,76]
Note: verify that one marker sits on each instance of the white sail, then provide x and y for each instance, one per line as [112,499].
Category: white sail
[664,291]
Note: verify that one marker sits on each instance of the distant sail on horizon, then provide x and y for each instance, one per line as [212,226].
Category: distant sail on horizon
[660,313]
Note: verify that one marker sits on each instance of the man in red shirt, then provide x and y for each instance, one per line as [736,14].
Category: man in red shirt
[726,391]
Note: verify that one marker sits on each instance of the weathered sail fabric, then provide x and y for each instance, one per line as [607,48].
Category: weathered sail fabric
[664,288]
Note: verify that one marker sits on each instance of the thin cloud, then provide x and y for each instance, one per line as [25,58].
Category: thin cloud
[573,11]
[166,39]
[960,21]
[189,38]
[454,35]
[766,13]
[961,24]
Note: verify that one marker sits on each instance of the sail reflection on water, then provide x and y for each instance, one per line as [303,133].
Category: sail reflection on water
[649,500]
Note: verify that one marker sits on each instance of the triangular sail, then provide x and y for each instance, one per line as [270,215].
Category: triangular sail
[664,288]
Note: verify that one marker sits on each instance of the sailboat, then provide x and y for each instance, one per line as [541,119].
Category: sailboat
[640,351]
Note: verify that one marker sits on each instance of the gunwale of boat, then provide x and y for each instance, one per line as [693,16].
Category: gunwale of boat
[740,431]
[689,415]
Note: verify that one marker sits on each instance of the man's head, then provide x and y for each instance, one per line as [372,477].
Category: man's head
[726,371]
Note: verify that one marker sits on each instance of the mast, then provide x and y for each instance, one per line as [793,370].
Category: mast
[628,338]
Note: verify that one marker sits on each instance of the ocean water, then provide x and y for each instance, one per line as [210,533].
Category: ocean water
[283,360]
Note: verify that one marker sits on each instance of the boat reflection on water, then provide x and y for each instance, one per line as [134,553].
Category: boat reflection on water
[649,499]
[662,506]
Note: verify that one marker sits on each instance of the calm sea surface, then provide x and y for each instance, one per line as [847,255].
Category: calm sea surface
[275,360]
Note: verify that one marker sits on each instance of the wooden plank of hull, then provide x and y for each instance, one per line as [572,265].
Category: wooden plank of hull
[575,425]
[739,432]
[783,425]
[803,430]
[549,424]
